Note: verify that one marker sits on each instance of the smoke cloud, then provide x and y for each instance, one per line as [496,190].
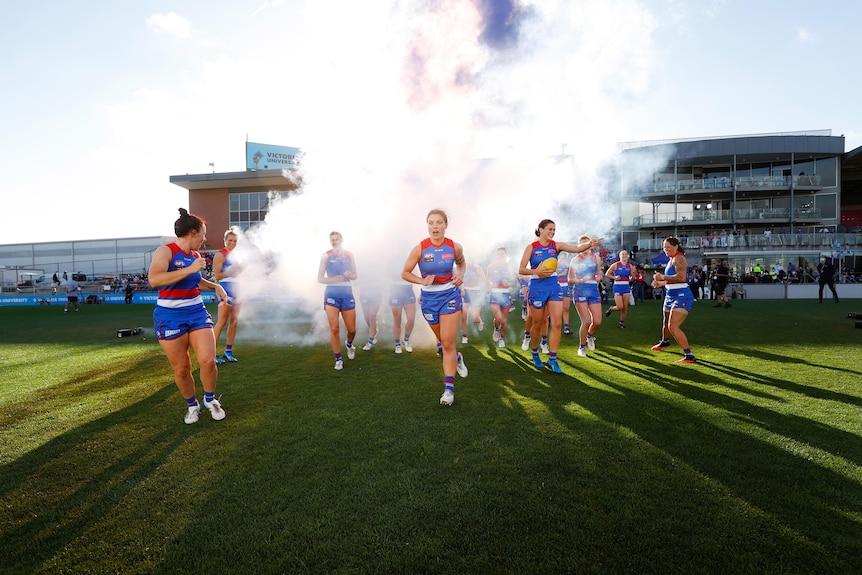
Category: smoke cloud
[500,112]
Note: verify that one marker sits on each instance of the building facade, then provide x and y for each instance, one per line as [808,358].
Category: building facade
[758,201]
[240,199]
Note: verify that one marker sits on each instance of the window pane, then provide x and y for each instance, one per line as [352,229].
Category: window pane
[827,169]
[827,206]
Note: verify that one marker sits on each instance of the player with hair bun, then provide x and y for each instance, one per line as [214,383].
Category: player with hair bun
[180,319]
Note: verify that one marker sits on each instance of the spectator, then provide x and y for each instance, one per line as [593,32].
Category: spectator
[639,287]
[72,293]
[694,282]
[826,277]
[722,275]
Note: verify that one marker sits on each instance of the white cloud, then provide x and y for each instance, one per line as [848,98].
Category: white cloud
[170,24]
[804,35]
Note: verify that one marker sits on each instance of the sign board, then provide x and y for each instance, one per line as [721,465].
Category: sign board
[267,157]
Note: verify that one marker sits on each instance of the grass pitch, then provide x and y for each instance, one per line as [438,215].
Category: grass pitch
[748,462]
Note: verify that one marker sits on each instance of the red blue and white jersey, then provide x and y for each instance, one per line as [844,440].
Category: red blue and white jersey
[337,265]
[472,276]
[185,292]
[539,254]
[623,271]
[563,275]
[499,275]
[228,263]
[586,266]
[670,270]
[437,261]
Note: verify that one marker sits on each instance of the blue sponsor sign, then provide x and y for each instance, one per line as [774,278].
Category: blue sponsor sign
[108,298]
[267,157]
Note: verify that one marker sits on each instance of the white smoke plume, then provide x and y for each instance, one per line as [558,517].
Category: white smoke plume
[500,112]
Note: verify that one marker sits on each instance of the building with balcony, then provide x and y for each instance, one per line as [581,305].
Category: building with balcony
[757,200]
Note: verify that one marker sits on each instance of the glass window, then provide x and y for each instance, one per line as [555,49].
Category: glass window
[827,169]
[716,172]
[760,169]
[805,168]
[827,203]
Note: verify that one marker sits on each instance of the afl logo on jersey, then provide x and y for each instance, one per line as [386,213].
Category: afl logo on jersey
[428,258]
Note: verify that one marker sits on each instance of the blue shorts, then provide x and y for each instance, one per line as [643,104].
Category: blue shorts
[540,296]
[400,295]
[678,299]
[502,298]
[437,303]
[622,289]
[473,295]
[171,323]
[586,293]
[231,289]
[340,297]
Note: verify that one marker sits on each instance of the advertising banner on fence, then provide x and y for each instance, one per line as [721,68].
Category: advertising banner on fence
[86,299]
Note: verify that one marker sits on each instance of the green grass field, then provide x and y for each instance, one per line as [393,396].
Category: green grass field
[748,462]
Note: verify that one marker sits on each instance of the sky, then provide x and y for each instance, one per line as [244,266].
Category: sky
[393,101]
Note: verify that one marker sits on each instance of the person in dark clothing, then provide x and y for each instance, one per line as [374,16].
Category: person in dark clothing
[826,277]
[722,275]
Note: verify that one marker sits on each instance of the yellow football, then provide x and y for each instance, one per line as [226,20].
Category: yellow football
[550,264]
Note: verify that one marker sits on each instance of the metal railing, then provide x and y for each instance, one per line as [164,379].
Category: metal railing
[805,241]
[744,215]
[727,184]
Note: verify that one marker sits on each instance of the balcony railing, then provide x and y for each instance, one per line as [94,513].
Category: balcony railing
[741,216]
[726,183]
[820,242]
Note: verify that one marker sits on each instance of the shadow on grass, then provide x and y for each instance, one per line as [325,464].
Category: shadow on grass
[55,494]
[792,487]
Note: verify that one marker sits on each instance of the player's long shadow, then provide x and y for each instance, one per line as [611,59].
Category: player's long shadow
[766,356]
[53,524]
[689,384]
[771,481]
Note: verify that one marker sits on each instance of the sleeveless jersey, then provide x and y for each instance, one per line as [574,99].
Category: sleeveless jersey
[670,270]
[586,266]
[563,275]
[185,292]
[623,271]
[226,265]
[499,274]
[471,276]
[438,261]
[336,265]
[540,254]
